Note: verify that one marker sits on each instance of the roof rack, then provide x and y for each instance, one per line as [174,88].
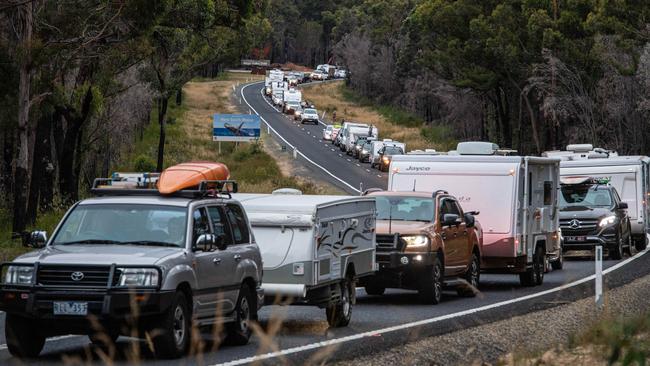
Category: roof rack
[576,180]
[440,191]
[206,188]
[371,190]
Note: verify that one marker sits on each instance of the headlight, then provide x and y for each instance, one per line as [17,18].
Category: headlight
[358,147]
[416,241]
[364,151]
[139,277]
[386,159]
[607,221]
[19,275]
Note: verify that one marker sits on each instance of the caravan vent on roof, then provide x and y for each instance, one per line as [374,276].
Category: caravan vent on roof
[580,147]
[476,148]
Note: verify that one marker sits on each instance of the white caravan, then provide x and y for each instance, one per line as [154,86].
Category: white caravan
[630,175]
[277,94]
[354,131]
[342,135]
[313,247]
[292,95]
[515,195]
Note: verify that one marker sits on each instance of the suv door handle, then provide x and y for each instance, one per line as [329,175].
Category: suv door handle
[216,260]
[237,257]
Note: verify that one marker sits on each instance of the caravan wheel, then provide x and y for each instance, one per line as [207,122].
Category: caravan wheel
[339,314]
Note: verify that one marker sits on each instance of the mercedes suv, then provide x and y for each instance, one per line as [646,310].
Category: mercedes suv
[592,213]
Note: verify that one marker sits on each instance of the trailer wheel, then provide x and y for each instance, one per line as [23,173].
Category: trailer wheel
[431,285]
[339,314]
[535,275]
[559,262]
[641,243]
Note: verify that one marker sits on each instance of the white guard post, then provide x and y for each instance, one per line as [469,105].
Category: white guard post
[599,276]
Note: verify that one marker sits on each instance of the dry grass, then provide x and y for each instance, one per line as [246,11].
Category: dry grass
[327,96]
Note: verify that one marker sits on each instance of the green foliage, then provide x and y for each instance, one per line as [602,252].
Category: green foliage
[143,163]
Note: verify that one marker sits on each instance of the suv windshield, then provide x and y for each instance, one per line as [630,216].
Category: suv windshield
[136,224]
[585,196]
[405,208]
[310,111]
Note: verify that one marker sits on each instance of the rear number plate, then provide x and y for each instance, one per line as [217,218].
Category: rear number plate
[576,238]
[70,308]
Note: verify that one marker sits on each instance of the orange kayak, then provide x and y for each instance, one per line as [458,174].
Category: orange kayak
[189,175]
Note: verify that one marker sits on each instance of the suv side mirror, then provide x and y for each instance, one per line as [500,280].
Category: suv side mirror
[205,242]
[622,206]
[450,219]
[36,239]
[469,219]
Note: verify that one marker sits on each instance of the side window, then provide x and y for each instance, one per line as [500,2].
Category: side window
[238,224]
[220,223]
[548,193]
[200,224]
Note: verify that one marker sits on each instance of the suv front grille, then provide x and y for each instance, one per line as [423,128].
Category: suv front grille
[387,243]
[93,276]
[584,227]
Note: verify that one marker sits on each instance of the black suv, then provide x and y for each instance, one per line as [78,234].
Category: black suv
[386,155]
[591,213]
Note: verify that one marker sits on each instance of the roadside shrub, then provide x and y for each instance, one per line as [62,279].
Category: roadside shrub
[143,164]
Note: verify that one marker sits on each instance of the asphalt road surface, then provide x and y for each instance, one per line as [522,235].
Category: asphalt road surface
[377,322]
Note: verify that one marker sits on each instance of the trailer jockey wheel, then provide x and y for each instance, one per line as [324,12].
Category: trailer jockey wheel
[339,314]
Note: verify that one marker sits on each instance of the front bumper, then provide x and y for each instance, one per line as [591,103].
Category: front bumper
[605,237]
[399,270]
[402,260]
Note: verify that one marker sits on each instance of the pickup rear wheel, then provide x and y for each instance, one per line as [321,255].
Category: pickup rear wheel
[22,336]
[239,331]
[171,339]
[472,277]
[339,314]
[431,285]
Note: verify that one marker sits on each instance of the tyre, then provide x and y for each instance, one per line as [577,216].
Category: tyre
[472,276]
[339,314]
[239,331]
[430,290]
[629,245]
[22,337]
[535,275]
[640,243]
[615,251]
[375,290]
[559,262]
[172,336]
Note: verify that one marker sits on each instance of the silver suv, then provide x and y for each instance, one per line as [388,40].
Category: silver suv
[134,260]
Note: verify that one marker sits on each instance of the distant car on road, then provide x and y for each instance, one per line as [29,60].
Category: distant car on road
[340,73]
[386,155]
[425,241]
[290,107]
[297,113]
[318,75]
[309,115]
[328,132]
[167,259]
[364,153]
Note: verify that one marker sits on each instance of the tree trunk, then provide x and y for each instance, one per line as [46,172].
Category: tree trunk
[8,158]
[533,123]
[67,179]
[179,96]
[21,177]
[161,142]
[39,165]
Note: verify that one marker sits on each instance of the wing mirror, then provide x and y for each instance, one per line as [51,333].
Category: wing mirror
[36,239]
[470,220]
[205,242]
[450,219]
[622,206]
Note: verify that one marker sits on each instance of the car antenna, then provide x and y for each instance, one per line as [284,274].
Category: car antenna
[414,181]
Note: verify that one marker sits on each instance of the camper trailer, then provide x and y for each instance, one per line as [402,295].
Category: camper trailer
[314,248]
[630,175]
[515,195]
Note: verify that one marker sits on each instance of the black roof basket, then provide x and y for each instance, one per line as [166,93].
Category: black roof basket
[371,190]
[207,188]
[440,191]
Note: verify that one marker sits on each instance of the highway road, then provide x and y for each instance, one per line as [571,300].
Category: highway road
[377,322]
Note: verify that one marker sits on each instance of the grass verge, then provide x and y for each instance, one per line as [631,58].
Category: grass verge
[392,122]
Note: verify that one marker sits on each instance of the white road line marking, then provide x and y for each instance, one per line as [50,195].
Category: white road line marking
[241,91]
[379,175]
[368,170]
[332,149]
[348,159]
[358,164]
[374,333]
[340,155]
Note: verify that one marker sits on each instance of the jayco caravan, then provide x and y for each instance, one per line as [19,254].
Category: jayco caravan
[630,175]
[515,195]
[313,247]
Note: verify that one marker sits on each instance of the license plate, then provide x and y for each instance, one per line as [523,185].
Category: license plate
[70,308]
[576,238]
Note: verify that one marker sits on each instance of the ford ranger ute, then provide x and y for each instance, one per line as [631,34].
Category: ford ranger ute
[592,213]
[130,260]
[425,242]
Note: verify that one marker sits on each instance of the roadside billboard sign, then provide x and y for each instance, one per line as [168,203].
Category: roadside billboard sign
[235,127]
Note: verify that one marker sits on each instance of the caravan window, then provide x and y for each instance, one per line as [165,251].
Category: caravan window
[405,208]
[548,193]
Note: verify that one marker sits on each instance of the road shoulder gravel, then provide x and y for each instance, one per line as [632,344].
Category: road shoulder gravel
[532,333]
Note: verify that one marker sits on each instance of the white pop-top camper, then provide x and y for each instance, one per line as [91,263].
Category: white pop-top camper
[292,95]
[313,247]
[516,197]
[630,175]
[353,132]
